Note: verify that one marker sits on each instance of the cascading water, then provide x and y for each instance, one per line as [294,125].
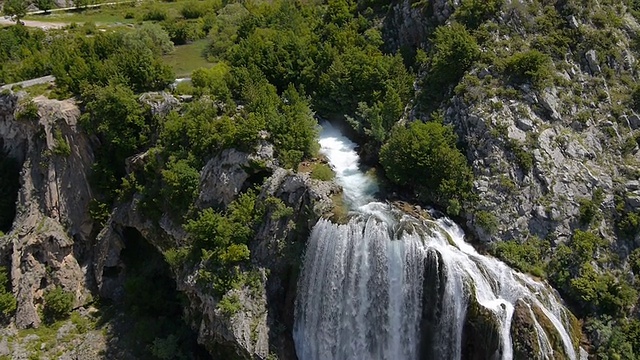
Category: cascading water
[388,285]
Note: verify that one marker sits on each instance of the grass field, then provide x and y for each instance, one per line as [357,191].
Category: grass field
[127,13]
[187,58]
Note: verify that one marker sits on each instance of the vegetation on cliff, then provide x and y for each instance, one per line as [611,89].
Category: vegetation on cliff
[274,66]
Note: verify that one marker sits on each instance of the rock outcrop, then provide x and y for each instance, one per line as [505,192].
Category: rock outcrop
[262,324]
[52,227]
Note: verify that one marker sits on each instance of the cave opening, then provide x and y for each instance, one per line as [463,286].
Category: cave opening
[9,187]
[153,305]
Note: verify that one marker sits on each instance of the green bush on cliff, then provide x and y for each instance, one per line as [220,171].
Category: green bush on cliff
[472,13]
[527,256]
[454,51]
[57,304]
[219,240]
[428,152]
[530,66]
[8,302]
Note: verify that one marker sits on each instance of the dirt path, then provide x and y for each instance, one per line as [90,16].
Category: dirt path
[33,23]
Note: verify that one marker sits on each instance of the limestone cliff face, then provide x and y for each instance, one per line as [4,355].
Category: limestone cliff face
[262,324]
[53,240]
[538,152]
[52,228]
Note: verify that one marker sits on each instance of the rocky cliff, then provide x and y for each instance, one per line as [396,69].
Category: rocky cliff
[54,242]
[49,244]
[538,151]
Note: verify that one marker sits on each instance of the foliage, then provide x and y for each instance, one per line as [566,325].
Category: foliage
[527,256]
[219,241]
[454,51]
[322,172]
[213,81]
[472,13]
[595,291]
[17,8]
[589,207]
[61,146]
[113,114]
[193,10]
[182,32]
[44,5]
[21,55]
[487,221]
[57,304]
[153,37]
[131,59]
[28,112]
[530,66]
[180,182]
[8,302]
[230,305]
[155,13]
[427,151]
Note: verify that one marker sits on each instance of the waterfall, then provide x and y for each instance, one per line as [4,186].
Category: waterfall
[389,285]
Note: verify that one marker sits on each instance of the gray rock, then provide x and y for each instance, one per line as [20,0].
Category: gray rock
[161,103]
[549,101]
[573,22]
[634,121]
[224,176]
[633,199]
[52,222]
[632,185]
[592,61]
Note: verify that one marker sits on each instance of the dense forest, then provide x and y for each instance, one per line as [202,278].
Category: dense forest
[273,69]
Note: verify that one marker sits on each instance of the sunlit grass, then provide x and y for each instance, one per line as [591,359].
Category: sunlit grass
[187,58]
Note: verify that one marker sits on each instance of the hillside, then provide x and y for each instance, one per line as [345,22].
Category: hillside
[520,120]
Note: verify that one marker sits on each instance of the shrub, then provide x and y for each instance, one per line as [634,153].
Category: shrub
[61,146]
[529,66]
[427,151]
[473,13]
[57,304]
[28,112]
[526,256]
[193,10]
[589,207]
[487,221]
[322,172]
[8,302]
[155,14]
[230,305]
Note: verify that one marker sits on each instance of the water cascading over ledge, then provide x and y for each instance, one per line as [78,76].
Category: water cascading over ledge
[389,285]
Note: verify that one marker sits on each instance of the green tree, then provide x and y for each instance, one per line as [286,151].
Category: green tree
[44,5]
[57,304]
[454,51]
[15,8]
[427,151]
[529,66]
[113,114]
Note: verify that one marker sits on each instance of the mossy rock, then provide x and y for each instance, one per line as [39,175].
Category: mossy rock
[559,353]
[481,333]
[432,302]
[523,334]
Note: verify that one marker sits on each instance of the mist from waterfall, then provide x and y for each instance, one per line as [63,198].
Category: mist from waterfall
[364,284]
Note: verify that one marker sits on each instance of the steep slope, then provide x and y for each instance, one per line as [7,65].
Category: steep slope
[546,115]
